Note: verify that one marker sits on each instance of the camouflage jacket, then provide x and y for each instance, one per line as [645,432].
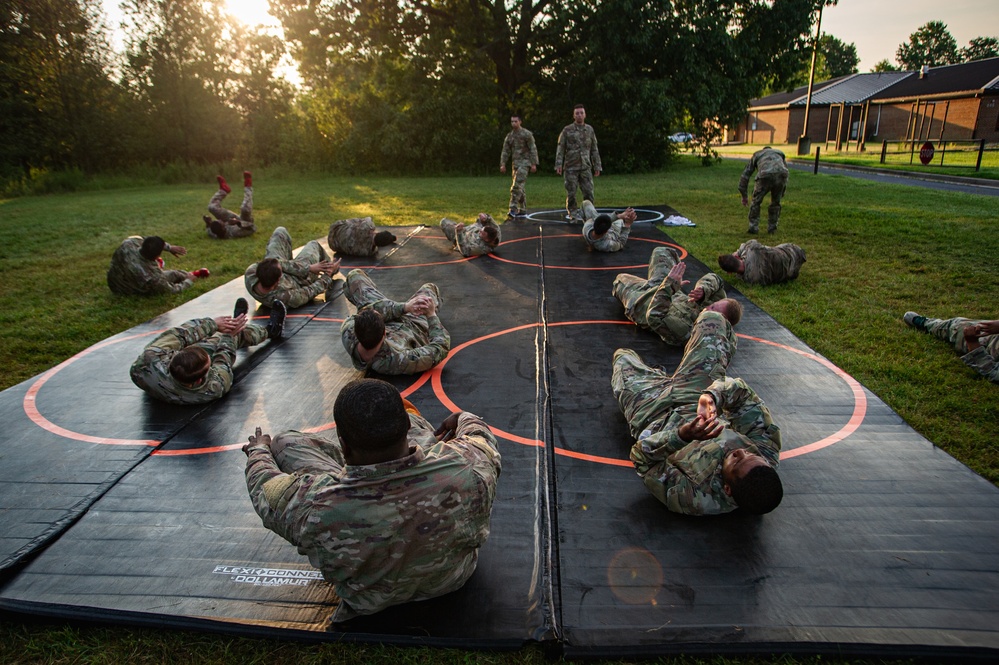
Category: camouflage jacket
[577,148]
[470,244]
[666,310]
[770,265]
[985,359]
[519,144]
[151,370]
[353,237]
[413,344]
[613,241]
[296,287]
[387,533]
[687,477]
[768,161]
[131,273]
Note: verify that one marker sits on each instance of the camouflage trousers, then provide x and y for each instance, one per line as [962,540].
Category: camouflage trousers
[449,227]
[577,179]
[775,185]
[952,331]
[361,291]
[647,394]
[279,247]
[630,289]
[228,216]
[518,199]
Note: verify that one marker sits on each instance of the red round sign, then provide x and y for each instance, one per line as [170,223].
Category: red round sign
[926,153]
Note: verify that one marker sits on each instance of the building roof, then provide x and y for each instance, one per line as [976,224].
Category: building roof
[854,89]
[782,99]
[975,76]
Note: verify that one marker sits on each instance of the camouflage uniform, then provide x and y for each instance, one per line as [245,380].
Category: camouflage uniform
[131,273]
[353,237]
[687,477]
[468,241]
[413,343]
[519,144]
[984,359]
[613,241]
[297,285]
[772,178]
[151,370]
[387,533]
[770,265]
[659,304]
[236,226]
[578,157]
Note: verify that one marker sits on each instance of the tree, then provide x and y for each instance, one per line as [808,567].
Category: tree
[382,71]
[884,66]
[840,59]
[980,48]
[932,45]
[57,104]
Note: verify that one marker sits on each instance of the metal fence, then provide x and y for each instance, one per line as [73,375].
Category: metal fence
[957,154]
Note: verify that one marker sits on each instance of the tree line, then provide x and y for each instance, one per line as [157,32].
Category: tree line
[387,86]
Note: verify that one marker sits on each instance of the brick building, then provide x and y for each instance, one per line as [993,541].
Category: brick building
[951,102]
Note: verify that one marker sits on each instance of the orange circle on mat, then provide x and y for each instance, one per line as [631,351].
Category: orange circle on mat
[859,398]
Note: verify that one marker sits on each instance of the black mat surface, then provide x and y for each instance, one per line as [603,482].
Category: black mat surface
[121,509]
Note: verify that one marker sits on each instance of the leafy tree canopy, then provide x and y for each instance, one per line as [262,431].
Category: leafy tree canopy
[932,44]
[980,48]
[884,65]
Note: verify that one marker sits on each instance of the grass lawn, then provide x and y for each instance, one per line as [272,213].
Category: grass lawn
[874,251]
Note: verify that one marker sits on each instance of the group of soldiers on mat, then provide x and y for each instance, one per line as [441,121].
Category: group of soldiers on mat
[393,510]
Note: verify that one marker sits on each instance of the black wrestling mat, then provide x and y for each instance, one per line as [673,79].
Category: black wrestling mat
[119,509]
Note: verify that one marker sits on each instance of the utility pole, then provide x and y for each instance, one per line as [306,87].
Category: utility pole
[804,145]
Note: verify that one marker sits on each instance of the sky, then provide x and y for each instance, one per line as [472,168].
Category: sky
[876,27]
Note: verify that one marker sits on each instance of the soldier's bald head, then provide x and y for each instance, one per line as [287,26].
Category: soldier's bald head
[370,416]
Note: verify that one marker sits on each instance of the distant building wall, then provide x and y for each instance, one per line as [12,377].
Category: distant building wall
[968,118]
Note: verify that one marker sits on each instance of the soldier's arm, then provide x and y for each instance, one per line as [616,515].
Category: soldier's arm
[219,379]
[474,435]
[713,287]
[295,267]
[595,154]
[505,155]
[415,361]
[157,282]
[187,333]
[747,414]
[303,294]
[267,486]
[681,495]
[746,175]
[534,150]
[654,447]
[389,309]
[560,151]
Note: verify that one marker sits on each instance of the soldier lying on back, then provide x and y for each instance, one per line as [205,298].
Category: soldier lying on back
[192,363]
[392,337]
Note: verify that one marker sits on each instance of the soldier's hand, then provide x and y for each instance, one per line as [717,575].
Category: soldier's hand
[628,216]
[696,294]
[534,168]
[502,169]
[177,250]
[415,305]
[706,407]
[676,273]
[558,170]
[745,201]
[700,429]
[448,428]
[257,437]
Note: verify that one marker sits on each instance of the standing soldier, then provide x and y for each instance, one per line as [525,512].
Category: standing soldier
[228,224]
[357,237]
[294,282]
[762,265]
[480,238]
[772,177]
[137,268]
[577,160]
[192,363]
[706,443]
[393,337]
[519,145]
[659,303]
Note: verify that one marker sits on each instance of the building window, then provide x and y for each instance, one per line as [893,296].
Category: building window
[752,122]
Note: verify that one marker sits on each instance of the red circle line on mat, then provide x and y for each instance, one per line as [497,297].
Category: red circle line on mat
[434,376]
[859,406]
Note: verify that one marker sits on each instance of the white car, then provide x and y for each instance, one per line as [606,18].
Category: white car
[681,137]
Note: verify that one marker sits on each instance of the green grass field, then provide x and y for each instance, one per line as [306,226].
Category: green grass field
[874,251]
